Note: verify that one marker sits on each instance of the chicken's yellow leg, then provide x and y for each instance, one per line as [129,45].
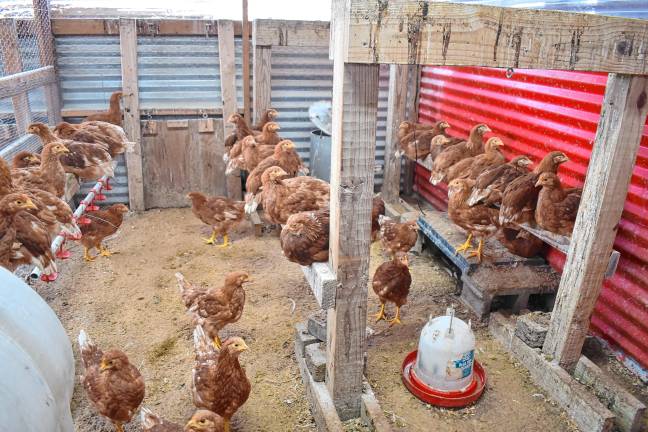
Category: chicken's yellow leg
[225,241]
[396,319]
[86,255]
[119,427]
[465,246]
[479,253]
[381,313]
[104,252]
[211,239]
[217,342]
[226,426]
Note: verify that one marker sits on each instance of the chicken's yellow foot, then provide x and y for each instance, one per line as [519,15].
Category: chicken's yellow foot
[479,253]
[381,313]
[396,319]
[86,255]
[211,239]
[225,241]
[119,427]
[217,342]
[104,252]
[465,246]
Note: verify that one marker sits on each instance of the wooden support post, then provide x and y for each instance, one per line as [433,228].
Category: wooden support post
[246,62]
[261,85]
[228,92]
[47,54]
[396,113]
[623,117]
[128,46]
[12,62]
[355,102]
[412,115]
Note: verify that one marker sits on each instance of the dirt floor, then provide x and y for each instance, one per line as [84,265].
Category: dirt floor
[131,301]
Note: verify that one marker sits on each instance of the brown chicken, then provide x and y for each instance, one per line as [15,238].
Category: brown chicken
[282,197]
[50,176]
[557,207]
[284,156]
[253,153]
[113,115]
[222,214]
[214,308]
[473,166]
[25,159]
[397,237]
[520,242]
[219,382]
[201,421]
[114,386]
[520,196]
[440,143]
[31,242]
[392,282]
[416,144]
[86,161]
[269,115]
[377,210]
[305,237]
[478,221]
[233,140]
[407,127]
[103,223]
[490,184]
[8,245]
[115,143]
[269,136]
[455,153]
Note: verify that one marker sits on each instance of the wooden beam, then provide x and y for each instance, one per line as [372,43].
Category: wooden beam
[246,63]
[262,81]
[291,33]
[22,82]
[13,64]
[436,33]
[130,99]
[407,171]
[226,57]
[47,55]
[146,27]
[396,113]
[72,112]
[355,102]
[623,117]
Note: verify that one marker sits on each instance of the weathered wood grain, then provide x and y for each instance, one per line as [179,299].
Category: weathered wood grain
[623,117]
[355,99]
[291,33]
[130,100]
[12,64]
[396,113]
[24,81]
[262,84]
[246,62]
[150,27]
[436,33]
[181,158]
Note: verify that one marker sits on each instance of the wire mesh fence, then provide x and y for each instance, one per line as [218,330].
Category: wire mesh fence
[25,45]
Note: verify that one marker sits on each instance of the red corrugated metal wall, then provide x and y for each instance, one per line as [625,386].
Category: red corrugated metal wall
[536,111]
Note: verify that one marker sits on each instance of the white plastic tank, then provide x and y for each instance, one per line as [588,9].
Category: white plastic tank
[37,374]
[446,354]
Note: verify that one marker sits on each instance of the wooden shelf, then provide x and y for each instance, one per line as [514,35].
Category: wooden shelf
[561,243]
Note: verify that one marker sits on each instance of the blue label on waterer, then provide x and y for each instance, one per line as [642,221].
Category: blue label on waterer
[465,363]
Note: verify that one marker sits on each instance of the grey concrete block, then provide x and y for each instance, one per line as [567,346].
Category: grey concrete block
[532,328]
[317,325]
[316,361]
[303,339]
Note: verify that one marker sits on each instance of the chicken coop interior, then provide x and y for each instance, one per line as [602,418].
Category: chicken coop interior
[409,216]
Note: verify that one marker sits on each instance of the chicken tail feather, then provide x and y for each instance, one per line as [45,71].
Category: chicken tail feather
[148,418]
[187,291]
[477,195]
[90,353]
[202,344]
[382,219]
[436,178]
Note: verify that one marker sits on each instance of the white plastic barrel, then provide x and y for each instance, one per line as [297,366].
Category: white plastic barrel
[37,374]
[446,353]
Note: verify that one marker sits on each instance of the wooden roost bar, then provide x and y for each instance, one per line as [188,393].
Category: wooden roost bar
[365,34]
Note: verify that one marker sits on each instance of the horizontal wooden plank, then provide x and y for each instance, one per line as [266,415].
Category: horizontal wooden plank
[73,112]
[24,81]
[150,27]
[267,32]
[416,32]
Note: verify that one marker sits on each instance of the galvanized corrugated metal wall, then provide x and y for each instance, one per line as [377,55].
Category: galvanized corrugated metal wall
[301,76]
[537,111]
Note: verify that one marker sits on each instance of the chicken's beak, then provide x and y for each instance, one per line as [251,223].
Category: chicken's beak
[563,158]
[29,204]
[104,366]
[244,347]
[32,159]
[64,149]
[193,424]
[248,280]
[538,184]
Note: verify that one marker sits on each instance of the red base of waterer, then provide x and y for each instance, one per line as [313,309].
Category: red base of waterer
[457,399]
